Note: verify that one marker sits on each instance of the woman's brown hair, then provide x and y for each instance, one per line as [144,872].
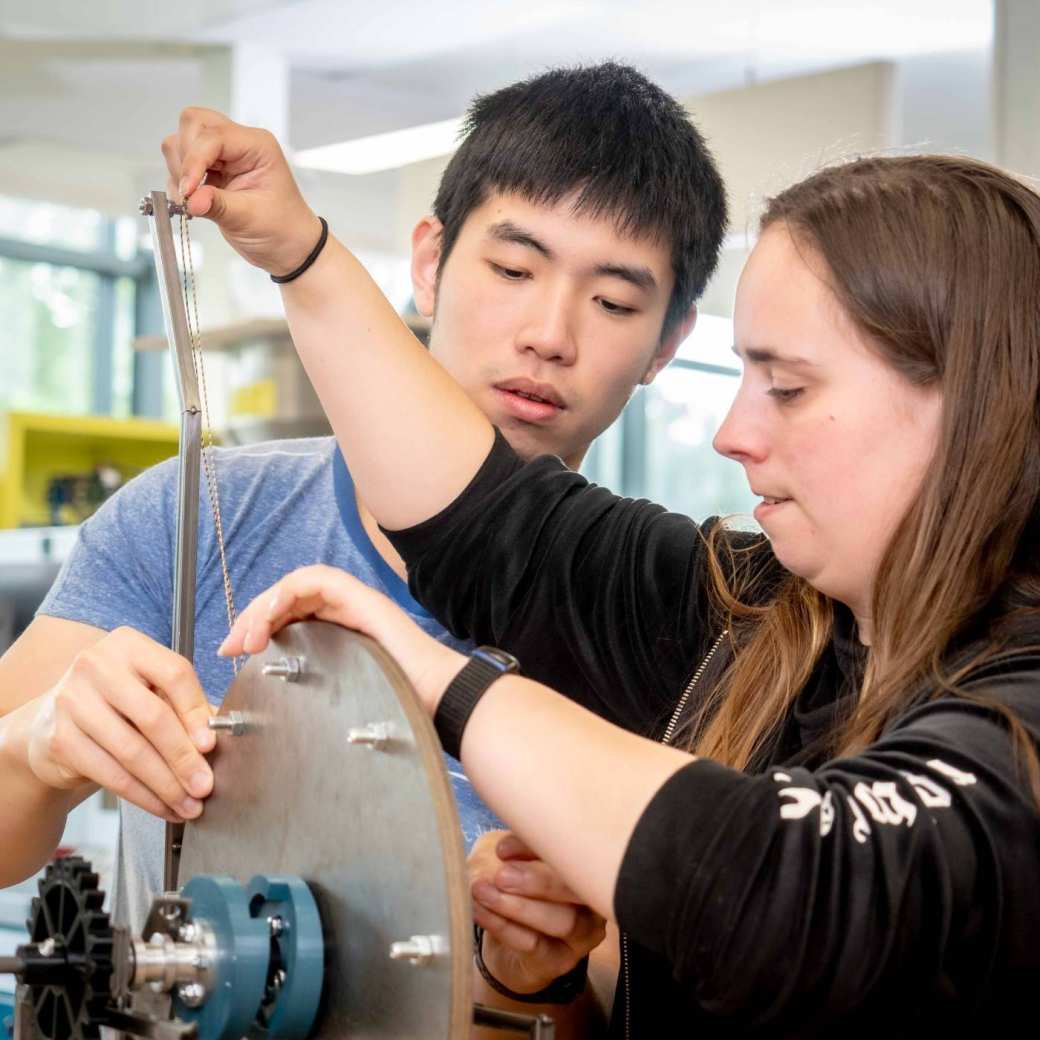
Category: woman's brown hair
[936,259]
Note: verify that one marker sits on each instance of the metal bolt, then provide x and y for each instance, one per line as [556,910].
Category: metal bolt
[279,980]
[287,668]
[375,735]
[188,932]
[234,722]
[145,207]
[47,947]
[419,949]
[276,925]
[191,994]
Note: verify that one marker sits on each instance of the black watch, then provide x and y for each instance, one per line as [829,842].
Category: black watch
[485,665]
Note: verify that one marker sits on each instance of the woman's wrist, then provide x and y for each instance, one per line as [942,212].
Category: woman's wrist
[432,677]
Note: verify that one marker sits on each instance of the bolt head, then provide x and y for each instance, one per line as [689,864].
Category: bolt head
[191,994]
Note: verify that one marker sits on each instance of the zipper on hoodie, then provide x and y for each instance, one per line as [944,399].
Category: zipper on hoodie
[669,733]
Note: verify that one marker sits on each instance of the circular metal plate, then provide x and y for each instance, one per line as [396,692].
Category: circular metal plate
[375,833]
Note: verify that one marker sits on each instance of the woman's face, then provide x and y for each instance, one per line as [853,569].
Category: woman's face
[832,438]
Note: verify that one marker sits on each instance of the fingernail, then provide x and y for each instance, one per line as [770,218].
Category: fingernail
[509,877]
[204,738]
[248,637]
[190,807]
[272,606]
[182,187]
[201,781]
[222,649]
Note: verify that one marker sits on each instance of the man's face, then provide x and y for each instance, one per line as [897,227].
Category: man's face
[547,318]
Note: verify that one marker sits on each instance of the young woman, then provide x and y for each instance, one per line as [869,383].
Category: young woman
[852,845]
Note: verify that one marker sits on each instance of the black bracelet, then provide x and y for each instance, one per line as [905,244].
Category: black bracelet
[281,279]
[564,990]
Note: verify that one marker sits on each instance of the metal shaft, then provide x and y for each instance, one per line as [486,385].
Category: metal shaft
[186,556]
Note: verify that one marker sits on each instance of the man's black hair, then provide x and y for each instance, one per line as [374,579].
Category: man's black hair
[628,149]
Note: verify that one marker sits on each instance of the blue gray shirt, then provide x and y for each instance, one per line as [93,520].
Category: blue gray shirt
[284,504]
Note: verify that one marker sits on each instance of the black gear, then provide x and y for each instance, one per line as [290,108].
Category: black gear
[70,986]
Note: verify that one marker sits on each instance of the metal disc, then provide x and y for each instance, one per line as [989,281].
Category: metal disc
[374,832]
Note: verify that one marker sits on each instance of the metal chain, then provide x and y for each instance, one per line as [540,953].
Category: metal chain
[191,307]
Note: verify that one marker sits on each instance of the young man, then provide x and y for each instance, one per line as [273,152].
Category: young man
[572,232]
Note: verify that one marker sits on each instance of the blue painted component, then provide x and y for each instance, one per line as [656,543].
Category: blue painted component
[300,948]
[243,954]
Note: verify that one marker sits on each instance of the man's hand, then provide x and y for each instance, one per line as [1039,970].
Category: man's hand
[249,190]
[129,715]
[535,928]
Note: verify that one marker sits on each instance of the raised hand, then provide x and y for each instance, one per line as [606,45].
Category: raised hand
[238,177]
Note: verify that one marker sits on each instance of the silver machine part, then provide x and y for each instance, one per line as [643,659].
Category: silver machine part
[299,792]
[376,837]
[162,962]
[159,208]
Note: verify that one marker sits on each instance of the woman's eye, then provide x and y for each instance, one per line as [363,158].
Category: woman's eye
[512,274]
[615,308]
[781,393]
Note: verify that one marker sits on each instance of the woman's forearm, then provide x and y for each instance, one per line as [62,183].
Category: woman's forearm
[411,437]
[34,813]
[595,779]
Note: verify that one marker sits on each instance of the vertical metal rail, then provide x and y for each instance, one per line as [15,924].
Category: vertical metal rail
[158,207]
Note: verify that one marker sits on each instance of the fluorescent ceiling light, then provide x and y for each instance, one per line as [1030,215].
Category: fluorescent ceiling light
[384,151]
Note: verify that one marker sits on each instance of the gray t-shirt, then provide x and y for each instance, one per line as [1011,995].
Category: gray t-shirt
[284,504]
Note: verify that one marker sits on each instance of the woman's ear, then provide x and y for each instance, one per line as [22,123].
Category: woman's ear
[426,258]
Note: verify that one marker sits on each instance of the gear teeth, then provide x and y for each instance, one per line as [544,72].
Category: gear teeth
[89,1003]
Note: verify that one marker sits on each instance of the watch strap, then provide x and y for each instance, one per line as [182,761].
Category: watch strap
[485,665]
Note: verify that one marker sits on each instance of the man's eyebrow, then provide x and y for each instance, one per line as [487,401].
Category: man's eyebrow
[640,277]
[769,356]
[507,231]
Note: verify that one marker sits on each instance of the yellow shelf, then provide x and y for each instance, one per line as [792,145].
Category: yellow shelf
[37,447]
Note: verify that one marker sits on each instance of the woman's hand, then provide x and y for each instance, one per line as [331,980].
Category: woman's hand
[330,594]
[535,928]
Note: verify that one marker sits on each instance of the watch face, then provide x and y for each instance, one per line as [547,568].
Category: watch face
[499,658]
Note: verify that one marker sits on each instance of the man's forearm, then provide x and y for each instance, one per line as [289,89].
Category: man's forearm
[411,437]
[33,814]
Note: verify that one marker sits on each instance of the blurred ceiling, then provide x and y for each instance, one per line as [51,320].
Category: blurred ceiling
[104,80]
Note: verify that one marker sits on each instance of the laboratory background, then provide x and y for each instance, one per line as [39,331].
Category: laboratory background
[366,98]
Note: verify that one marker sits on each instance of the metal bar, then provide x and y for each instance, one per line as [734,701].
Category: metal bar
[186,557]
[157,206]
[537,1027]
[171,292]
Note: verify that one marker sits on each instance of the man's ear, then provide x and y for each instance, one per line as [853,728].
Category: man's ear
[669,345]
[426,258]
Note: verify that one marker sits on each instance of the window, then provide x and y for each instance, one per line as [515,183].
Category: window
[661,446]
[69,286]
